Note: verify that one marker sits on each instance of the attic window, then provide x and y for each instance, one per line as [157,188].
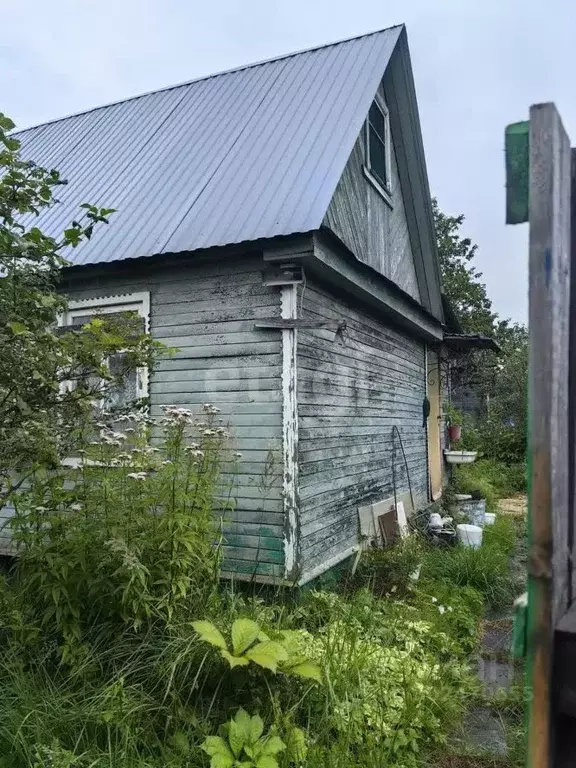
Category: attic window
[378,145]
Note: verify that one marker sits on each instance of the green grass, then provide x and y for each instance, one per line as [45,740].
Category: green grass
[396,658]
[487,569]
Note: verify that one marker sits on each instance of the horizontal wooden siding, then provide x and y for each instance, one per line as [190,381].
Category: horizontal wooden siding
[208,311]
[353,388]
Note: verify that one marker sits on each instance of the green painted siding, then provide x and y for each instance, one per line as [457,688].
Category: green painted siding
[207,310]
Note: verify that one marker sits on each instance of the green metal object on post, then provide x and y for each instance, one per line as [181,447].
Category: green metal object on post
[517,145]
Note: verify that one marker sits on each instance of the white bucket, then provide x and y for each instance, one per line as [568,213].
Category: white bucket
[489,518]
[469,535]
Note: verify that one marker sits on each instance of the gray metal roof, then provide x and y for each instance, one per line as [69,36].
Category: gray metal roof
[251,153]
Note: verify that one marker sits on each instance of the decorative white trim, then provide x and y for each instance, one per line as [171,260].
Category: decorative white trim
[124,302]
[382,191]
[289,309]
[385,190]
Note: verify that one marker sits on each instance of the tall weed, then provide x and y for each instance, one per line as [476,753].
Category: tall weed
[126,537]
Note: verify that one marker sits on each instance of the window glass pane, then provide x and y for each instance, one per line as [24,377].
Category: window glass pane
[377,120]
[377,156]
[129,322]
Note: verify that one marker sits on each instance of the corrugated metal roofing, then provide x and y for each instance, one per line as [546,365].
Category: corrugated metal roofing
[247,154]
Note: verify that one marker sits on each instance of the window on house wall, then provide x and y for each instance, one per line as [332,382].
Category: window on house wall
[378,144]
[134,311]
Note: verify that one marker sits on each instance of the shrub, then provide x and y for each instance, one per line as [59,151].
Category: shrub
[390,569]
[129,536]
[390,695]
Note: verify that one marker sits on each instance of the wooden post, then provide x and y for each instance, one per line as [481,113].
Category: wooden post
[548,411]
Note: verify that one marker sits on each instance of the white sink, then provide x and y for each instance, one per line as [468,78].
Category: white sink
[460,457]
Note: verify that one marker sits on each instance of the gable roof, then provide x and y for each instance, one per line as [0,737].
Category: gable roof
[251,153]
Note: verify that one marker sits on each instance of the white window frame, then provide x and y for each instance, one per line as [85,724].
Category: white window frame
[107,305]
[384,189]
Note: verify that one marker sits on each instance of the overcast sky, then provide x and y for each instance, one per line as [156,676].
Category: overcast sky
[477,65]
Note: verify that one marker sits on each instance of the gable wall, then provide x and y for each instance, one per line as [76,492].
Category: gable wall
[208,312]
[352,391]
[375,232]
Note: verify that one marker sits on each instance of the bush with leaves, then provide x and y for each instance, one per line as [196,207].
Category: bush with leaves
[128,535]
[251,645]
[242,744]
[40,418]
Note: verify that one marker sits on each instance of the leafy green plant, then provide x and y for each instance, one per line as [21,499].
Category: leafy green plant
[250,644]
[390,570]
[243,745]
[128,536]
[40,418]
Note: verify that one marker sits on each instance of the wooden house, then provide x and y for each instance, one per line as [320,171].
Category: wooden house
[274,224]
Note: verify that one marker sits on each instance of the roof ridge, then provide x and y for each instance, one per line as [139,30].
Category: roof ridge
[230,71]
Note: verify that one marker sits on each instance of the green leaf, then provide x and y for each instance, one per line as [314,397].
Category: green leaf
[72,237]
[209,633]
[238,735]
[272,745]
[17,328]
[244,634]
[256,729]
[296,746]
[306,669]
[219,751]
[234,661]
[5,123]
[221,761]
[268,654]
[266,761]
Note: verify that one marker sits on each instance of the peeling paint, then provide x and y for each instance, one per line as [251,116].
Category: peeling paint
[289,299]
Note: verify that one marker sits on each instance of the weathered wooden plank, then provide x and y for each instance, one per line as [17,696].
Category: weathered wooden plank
[227,407]
[190,341]
[193,399]
[228,350]
[215,328]
[207,385]
[168,314]
[375,230]
[262,542]
[228,376]
[254,518]
[201,304]
[254,554]
[247,568]
[549,279]
[239,362]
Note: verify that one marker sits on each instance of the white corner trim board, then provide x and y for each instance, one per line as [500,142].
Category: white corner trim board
[289,310]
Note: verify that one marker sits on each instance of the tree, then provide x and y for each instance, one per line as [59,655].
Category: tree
[461,280]
[499,381]
[49,381]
